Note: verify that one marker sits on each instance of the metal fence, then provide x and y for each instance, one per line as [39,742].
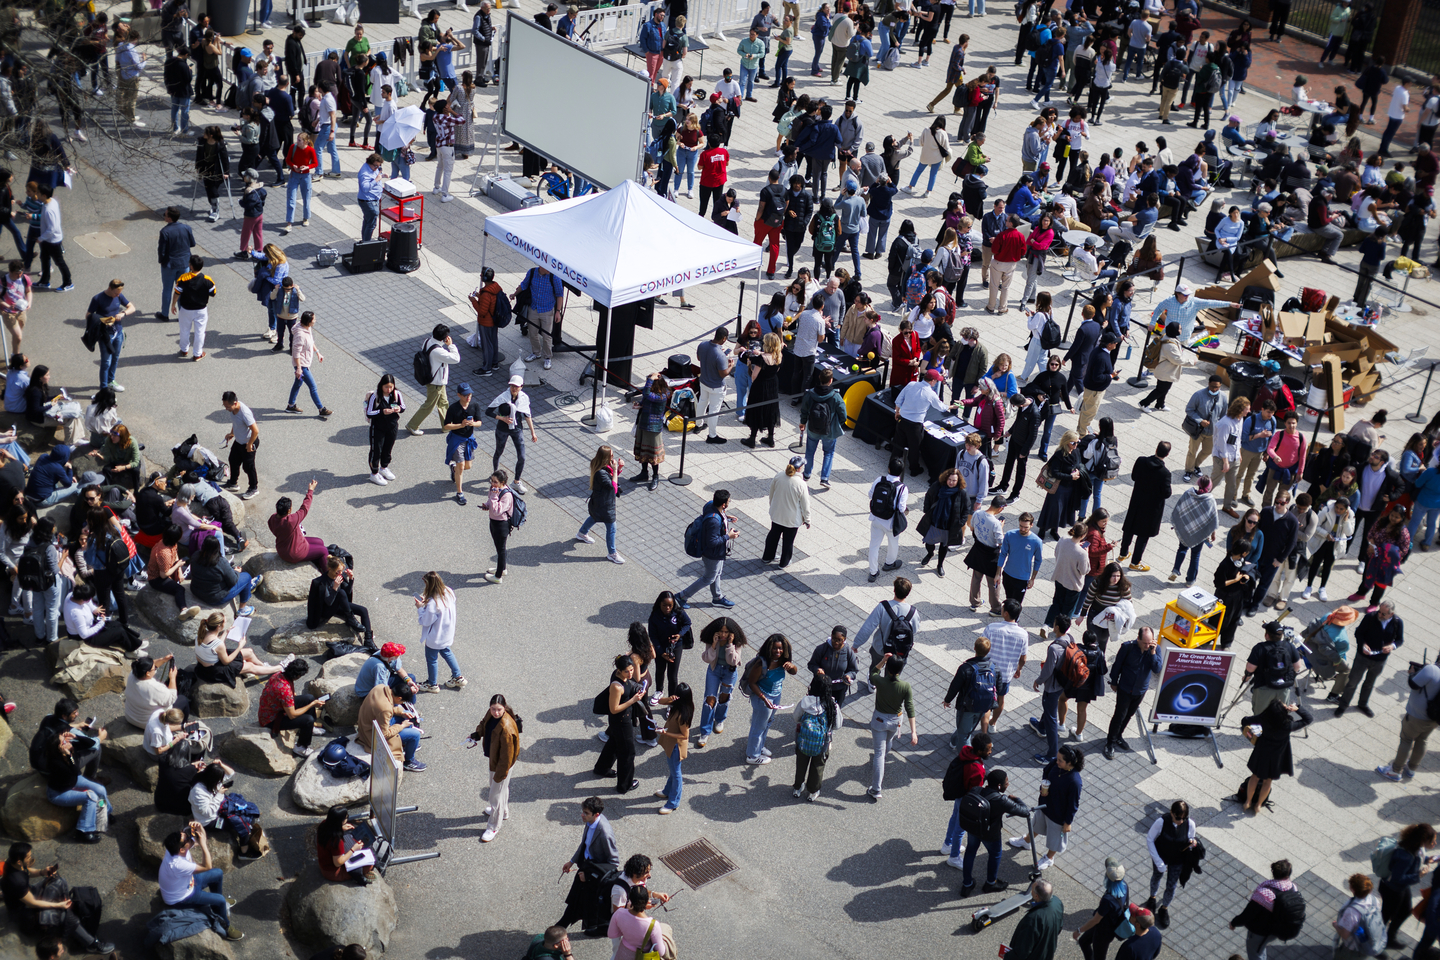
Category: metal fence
[1313,17]
[708,19]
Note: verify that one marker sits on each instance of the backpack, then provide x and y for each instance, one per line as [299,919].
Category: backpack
[1380,857]
[1312,299]
[31,572]
[1032,40]
[1107,466]
[953,784]
[974,811]
[981,695]
[1073,669]
[1277,667]
[340,763]
[825,233]
[1370,931]
[1152,354]
[1323,656]
[821,418]
[692,537]
[900,637]
[424,373]
[914,289]
[883,499]
[892,59]
[810,741]
[1172,74]
[402,89]
[1432,708]
[670,47]
[1050,336]
[501,316]
[518,513]
[1212,81]
[1288,915]
[744,681]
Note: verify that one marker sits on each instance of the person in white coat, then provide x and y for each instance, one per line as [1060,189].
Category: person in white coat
[436,611]
[789,508]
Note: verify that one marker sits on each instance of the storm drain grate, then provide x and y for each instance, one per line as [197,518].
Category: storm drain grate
[698,863]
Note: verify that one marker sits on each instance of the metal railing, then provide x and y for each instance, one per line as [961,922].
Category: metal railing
[1311,18]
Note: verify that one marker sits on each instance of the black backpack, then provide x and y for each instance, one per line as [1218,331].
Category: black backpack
[424,373]
[1050,336]
[670,47]
[821,416]
[1288,915]
[900,637]
[502,314]
[31,573]
[1277,664]
[974,811]
[884,499]
[1172,74]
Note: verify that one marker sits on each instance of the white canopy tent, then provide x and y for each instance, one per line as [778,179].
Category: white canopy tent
[622,246]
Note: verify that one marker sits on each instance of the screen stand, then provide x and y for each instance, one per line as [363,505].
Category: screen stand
[1149,743]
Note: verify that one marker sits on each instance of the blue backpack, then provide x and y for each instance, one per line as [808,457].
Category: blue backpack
[813,735]
[518,515]
[692,537]
[981,696]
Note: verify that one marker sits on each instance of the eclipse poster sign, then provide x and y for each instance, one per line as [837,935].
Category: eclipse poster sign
[1192,686]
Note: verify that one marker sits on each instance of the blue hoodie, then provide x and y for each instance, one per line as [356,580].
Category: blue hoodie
[50,473]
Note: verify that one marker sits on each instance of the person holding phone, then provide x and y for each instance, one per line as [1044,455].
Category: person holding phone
[333,853]
[499,734]
[281,709]
[25,902]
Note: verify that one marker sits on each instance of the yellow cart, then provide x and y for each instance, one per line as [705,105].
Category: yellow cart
[1188,630]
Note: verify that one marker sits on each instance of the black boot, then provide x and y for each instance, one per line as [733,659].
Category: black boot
[643,475]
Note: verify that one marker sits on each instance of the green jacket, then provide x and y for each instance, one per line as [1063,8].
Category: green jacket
[837,409]
[538,950]
[1037,932]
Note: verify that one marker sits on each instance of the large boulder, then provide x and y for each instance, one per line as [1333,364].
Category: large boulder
[335,673]
[283,581]
[220,700]
[315,789]
[343,708]
[155,828]
[324,913]
[6,736]
[159,611]
[206,945]
[28,815]
[91,671]
[124,746]
[55,653]
[257,751]
[295,637]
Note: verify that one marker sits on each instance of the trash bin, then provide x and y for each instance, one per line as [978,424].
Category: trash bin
[403,255]
[1245,377]
[227,17]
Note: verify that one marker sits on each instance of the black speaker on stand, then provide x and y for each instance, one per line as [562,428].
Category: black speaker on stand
[404,252]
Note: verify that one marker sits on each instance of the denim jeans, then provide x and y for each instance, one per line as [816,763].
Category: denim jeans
[920,168]
[884,42]
[609,531]
[747,81]
[409,741]
[209,892]
[714,569]
[86,792]
[180,113]
[20,241]
[432,664]
[325,143]
[1428,514]
[992,860]
[308,381]
[965,723]
[1050,721]
[65,493]
[47,612]
[885,730]
[819,49]
[298,183]
[685,167]
[369,217]
[851,240]
[674,784]
[954,834]
[977,6]
[399,168]
[241,588]
[110,358]
[719,682]
[1055,403]
[812,441]
[1097,494]
[876,237]
[760,717]
[1135,58]
[1172,877]
[742,387]
[782,66]
[1194,570]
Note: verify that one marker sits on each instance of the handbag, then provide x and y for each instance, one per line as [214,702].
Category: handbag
[1192,427]
[1046,480]
[641,953]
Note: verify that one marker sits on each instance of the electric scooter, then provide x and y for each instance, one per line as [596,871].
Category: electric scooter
[985,916]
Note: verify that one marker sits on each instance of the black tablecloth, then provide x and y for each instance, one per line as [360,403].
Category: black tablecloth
[839,361]
[876,425]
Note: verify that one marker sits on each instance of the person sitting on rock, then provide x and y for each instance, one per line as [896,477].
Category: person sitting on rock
[281,709]
[330,599]
[211,806]
[66,719]
[333,851]
[202,491]
[215,662]
[163,725]
[194,530]
[50,894]
[397,725]
[86,619]
[380,671]
[215,583]
[183,882]
[152,509]
[65,787]
[144,694]
[290,541]
[164,571]
[177,775]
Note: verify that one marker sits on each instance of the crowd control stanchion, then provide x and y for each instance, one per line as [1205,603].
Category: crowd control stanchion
[740,308]
[1142,376]
[1419,416]
[1065,337]
[680,479]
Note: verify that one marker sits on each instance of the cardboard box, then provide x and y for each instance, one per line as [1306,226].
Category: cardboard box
[1302,328]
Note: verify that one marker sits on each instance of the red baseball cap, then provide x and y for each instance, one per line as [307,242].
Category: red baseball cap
[392,650]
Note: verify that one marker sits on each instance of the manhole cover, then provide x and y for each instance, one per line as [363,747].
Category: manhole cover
[102,245]
[698,863]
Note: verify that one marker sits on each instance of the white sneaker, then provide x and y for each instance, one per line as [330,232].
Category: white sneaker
[615,558]
[957,862]
[378,480]
[1045,863]
[1071,731]
[487,836]
[532,358]
[1305,594]
[520,488]
[117,388]
[945,850]
[494,579]
[415,433]
[584,538]
[302,751]
[289,659]
[446,198]
[547,364]
[1322,596]
[1018,843]
[757,760]
[385,472]
[487,811]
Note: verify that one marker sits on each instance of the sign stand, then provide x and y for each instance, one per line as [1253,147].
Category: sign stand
[384,786]
[1191,691]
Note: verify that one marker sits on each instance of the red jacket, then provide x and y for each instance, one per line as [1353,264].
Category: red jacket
[289,539]
[1008,246]
[714,165]
[903,350]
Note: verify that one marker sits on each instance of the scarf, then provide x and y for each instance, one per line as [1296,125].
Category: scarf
[943,505]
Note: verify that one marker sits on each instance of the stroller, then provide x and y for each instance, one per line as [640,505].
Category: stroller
[563,185]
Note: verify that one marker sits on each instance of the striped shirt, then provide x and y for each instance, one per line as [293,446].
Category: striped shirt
[445,124]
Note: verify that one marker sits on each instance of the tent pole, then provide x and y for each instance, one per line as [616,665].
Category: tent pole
[603,373]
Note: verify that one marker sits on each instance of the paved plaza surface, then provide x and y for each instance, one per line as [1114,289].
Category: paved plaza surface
[843,876]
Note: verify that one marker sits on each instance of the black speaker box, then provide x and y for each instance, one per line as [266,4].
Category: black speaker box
[366,256]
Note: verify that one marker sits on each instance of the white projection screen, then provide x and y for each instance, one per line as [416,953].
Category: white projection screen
[578,108]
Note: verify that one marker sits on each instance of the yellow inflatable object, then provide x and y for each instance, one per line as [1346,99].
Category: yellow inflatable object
[854,400]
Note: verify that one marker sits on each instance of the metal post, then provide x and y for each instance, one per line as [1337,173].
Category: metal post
[1142,376]
[740,305]
[1065,337]
[1418,416]
[680,479]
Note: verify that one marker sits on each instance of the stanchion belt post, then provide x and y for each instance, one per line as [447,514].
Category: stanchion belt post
[1419,415]
[1141,377]
[1065,337]
[680,479]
